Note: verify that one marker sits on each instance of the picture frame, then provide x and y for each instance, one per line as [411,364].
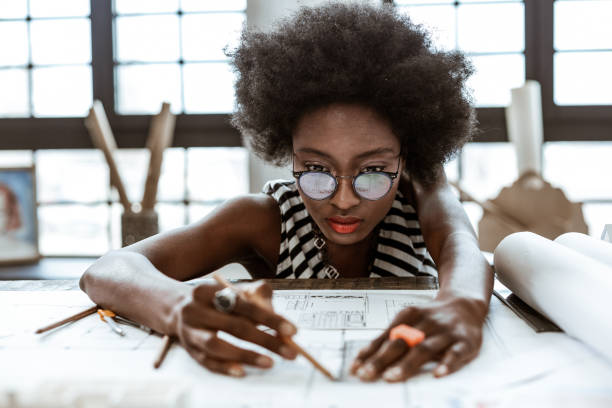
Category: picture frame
[18,216]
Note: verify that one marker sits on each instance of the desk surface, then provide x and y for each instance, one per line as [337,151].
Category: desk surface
[515,367]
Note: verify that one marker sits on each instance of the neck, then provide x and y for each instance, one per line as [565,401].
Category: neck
[352,260]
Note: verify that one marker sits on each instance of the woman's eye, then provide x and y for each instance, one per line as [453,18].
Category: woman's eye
[315,167]
[372,169]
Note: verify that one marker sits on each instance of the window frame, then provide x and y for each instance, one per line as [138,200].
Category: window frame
[561,123]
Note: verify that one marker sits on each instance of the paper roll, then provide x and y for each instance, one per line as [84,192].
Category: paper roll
[589,246]
[571,289]
[525,126]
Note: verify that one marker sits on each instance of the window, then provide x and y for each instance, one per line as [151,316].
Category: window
[498,57]
[45,67]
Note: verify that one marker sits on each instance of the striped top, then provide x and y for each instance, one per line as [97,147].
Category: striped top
[400,248]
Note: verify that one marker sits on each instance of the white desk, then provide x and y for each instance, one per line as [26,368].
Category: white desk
[86,363]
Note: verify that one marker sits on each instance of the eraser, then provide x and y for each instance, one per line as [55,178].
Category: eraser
[409,334]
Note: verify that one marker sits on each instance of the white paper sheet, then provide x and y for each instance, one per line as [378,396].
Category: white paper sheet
[82,358]
[571,289]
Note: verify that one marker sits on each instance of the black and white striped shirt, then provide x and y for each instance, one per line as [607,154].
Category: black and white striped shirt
[400,249]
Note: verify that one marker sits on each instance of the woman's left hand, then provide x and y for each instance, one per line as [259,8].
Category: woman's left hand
[453,335]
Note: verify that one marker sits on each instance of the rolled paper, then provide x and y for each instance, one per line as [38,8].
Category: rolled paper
[570,288]
[525,126]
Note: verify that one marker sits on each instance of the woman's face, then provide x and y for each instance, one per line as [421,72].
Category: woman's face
[345,140]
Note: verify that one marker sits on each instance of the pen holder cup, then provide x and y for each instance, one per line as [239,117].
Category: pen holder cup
[138,226]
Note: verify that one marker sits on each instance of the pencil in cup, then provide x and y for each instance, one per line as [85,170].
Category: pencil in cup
[287,340]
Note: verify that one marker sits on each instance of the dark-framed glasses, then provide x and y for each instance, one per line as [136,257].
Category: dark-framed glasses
[321,185]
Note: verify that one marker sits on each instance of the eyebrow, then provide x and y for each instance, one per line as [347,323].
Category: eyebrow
[363,155]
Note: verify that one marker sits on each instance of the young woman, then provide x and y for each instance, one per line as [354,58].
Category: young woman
[366,111]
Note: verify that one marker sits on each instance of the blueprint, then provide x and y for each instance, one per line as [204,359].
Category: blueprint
[85,361]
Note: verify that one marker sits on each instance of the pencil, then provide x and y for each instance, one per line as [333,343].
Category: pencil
[166,343]
[287,340]
[69,319]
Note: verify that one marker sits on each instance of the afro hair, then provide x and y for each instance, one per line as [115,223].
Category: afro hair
[354,53]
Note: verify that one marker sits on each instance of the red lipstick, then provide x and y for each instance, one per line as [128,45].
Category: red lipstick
[344,225]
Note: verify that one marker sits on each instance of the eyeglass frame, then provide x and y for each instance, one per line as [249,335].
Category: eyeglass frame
[392,176]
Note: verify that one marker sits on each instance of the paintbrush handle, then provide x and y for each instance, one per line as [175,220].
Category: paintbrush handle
[69,319]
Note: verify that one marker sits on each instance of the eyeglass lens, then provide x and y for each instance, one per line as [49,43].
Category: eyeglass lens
[319,185]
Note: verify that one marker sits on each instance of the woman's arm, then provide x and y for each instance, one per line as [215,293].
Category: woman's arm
[453,321]
[143,282]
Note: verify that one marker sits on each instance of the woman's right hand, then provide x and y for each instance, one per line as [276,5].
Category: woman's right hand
[197,323]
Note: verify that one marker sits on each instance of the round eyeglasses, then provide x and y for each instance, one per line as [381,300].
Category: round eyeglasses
[321,185]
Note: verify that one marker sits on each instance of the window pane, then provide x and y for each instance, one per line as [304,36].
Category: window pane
[596,216]
[452,169]
[71,175]
[226,5]
[489,1]
[583,25]
[217,173]
[583,78]
[438,20]
[487,167]
[15,51]
[494,77]
[61,41]
[491,27]
[141,89]
[209,88]
[172,180]
[147,38]
[132,164]
[16,158]
[205,35]
[145,6]
[171,216]
[59,8]
[402,2]
[587,176]
[14,96]
[14,8]
[73,229]
[198,211]
[62,91]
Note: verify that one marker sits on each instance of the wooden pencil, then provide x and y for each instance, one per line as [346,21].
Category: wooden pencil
[287,340]
[69,319]
[166,343]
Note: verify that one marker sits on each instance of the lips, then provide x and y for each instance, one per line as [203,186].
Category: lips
[344,225]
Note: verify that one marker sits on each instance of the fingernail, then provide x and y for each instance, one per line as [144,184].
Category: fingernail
[287,329]
[287,352]
[264,361]
[393,374]
[366,372]
[441,371]
[236,371]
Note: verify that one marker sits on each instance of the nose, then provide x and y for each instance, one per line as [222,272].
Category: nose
[345,196]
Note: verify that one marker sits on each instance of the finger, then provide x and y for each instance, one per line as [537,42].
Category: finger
[260,290]
[216,348]
[388,353]
[261,315]
[245,329]
[369,351]
[204,292]
[455,357]
[416,357]
[406,316]
[217,366]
